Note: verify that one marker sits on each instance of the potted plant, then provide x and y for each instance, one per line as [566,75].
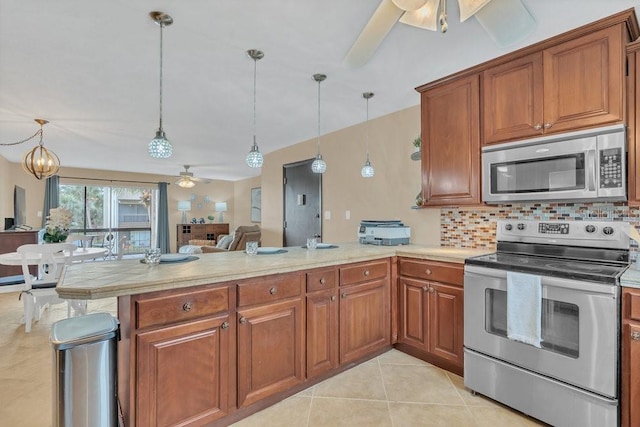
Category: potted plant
[57,226]
[417,143]
[211,218]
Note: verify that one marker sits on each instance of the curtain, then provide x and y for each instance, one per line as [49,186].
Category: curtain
[51,196]
[163,219]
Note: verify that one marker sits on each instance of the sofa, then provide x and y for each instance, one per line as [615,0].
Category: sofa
[236,241]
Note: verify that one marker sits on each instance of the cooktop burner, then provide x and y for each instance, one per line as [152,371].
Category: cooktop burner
[548,266]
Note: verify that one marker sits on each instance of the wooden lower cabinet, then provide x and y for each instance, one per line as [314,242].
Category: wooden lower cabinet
[431,312]
[183,373]
[270,349]
[322,332]
[630,398]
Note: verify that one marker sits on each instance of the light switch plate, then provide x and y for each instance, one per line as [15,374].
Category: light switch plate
[327,214]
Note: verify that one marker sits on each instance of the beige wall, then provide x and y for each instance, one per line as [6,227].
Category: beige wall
[388,195]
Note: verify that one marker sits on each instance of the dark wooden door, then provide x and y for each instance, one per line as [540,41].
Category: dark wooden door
[183,373]
[302,203]
[364,319]
[446,322]
[322,331]
[583,81]
[451,143]
[413,313]
[270,350]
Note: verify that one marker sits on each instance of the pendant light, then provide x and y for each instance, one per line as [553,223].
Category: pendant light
[254,158]
[319,165]
[367,170]
[160,147]
[39,162]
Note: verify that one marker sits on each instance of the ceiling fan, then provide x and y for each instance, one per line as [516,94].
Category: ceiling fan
[506,21]
[187,180]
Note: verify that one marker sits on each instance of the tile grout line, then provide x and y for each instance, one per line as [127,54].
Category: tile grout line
[461,397]
[386,396]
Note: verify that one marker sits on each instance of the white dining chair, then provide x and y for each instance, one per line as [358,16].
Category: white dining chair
[82,241]
[40,292]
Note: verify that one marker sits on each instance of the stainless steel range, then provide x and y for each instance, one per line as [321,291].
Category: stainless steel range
[542,320]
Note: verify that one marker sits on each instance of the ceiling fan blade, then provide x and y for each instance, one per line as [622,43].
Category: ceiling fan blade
[200,180]
[506,21]
[426,17]
[383,19]
[470,7]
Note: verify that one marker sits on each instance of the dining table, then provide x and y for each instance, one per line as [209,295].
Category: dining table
[81,254]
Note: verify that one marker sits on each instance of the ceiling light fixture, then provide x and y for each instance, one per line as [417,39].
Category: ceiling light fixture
[39,162]
[367,170]
[254,158]
[427,16]
[319,165]
[160,147]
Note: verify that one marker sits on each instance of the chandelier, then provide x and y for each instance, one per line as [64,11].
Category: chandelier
[39,162]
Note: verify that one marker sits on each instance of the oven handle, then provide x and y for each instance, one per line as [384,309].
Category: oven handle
[591,169]
[578,285]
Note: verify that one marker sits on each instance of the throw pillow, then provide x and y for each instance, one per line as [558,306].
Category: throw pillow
[225,241]
[220,240]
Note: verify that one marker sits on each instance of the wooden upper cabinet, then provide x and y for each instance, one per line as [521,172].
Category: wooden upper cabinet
[513,99]
[572,85]
[451,143]
[633,130]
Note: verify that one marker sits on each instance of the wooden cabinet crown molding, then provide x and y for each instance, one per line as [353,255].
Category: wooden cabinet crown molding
[626,17]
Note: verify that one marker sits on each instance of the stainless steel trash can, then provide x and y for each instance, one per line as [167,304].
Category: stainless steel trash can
[85,371]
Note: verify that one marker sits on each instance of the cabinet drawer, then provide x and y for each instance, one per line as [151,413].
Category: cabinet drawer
[180,307]
[268,289]
[431,270]
[363,272]
[634,312]
[322,279]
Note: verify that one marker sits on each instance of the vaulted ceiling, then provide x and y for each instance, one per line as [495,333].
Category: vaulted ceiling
[92,69]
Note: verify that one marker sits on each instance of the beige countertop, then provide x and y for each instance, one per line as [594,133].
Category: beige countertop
[94,280]
[631,277]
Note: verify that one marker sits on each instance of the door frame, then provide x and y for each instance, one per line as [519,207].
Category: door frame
[284,194]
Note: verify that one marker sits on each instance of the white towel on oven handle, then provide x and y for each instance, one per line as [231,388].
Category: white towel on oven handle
[524,308]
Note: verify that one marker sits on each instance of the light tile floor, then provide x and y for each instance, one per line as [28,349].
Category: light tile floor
[392,390]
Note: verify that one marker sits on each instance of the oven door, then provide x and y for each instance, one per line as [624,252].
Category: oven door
[579,328]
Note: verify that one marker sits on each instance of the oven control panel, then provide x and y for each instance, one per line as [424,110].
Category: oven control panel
[553,228]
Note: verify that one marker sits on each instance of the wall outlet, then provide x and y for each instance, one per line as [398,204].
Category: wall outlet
[327,214]
[39,214]
[347,214]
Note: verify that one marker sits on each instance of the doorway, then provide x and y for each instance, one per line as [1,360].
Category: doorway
[302,203]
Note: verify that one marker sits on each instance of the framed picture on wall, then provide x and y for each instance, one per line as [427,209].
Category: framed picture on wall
[256,204]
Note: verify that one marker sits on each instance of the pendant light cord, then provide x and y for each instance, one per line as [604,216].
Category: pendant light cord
[367,130]
[161,28]
[255,67]
[318,117]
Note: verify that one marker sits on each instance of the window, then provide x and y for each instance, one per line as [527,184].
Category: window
[120,218]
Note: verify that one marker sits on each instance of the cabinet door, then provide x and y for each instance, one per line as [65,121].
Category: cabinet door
[182,373]
[413,313]
[451,143]
[270,350]
[446,322]
[633,130]
[583,81]
[631,373]
[322,332]
[512,100]
[364,319]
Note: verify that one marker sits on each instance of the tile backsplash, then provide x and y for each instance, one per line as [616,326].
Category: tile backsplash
[475,227]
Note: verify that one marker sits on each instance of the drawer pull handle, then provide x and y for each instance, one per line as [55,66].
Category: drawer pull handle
[427,271]
[635,336]
[366,272]
[225,325]
[344,295]
[187,306]
[243,320]
[431,290]
[333,297]
[322,281]
[273,291]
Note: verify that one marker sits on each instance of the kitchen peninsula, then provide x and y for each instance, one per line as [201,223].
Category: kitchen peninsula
[226,335]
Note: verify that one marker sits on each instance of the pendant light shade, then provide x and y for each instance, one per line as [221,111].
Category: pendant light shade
[319,165]
[367,170]
[160,147]
[254,158]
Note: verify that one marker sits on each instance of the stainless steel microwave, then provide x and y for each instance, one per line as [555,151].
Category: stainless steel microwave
[588,165]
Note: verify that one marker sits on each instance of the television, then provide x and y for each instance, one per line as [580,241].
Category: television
[19,206]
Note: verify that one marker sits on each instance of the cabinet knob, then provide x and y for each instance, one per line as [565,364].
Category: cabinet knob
[366,272]
[186,306]
[635,336]
[243,320]
[425,288]
[225,325]
[547,125]
[333,297]
[344,295]
[537,126]
[322,281]
[428,271]
[273,291]
[431,290]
